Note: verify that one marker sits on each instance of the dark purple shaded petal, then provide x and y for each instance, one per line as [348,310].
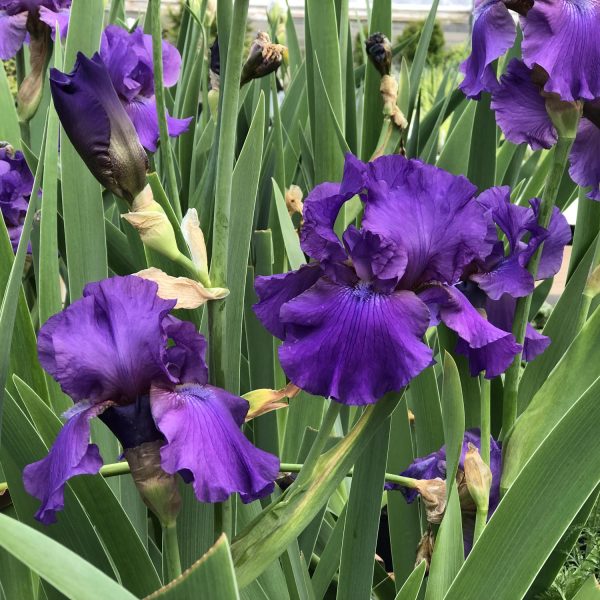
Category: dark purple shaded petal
[70,455]
[110,344]
[52,17]
[493,34]
[585,158]
[521,109]
[12,34]
[321,208]
[559,235]
[186,359]
[98,126]
[202,428]
[488,348]
[561,36]
[143,115]
[508,277]
[375,258]
[429,213]
[535,343]
[353,344]
[275,290]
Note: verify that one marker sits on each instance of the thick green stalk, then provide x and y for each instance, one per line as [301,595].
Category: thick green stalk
[171,552]
[588,294]
[159,90]
[223,519]
[486,425]
[480,522]
[513,374]
[267,537]
[220,236]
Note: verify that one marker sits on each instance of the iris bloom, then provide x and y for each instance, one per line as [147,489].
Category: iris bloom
[503,276]
[17,16]
[16,182]
[352,321]
[128,58]
[561,52]
[120,356]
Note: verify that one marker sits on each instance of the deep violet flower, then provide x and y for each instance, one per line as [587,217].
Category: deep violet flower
[120,356]
[16,18]
[98,126]
[561,53]
[433,466]
[352,322]
[16,182]
[128,58]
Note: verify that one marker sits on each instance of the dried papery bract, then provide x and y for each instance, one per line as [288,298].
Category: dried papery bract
[264,57]
[433,494]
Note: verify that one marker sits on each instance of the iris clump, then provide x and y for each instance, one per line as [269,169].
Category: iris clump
[353,320]
[559,65]
[16,182]
[120,355]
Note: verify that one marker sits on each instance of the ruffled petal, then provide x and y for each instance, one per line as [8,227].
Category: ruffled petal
[275,290]
[70,455]
[585,158]
[12,34]
[493,34]
[110,344]
[561,36]
[202,428]
[508,277]
[521,109]
[558,236]
[429,213]
[353,344]
[488,348]
[321,208]
[53,17]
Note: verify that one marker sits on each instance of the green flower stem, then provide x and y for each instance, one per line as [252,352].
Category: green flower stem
[560,157]
[486,427]
[120,468]
[588,295]
[171,552]
[159,90]
[190,267]
[480,522]
[224,519]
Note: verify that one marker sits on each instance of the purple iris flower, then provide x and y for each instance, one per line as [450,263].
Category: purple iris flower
[16,182]
[433,466]
[98,126]
[503,276]
[128,58]
[521,114]
[561,53]
[14,15]
[352,322]
[120,356]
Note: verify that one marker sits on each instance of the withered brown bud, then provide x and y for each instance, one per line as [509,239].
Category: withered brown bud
[467,505]
[478,477]
[433,495]
[425,550]
[264,58]
[379,51]
[158,489]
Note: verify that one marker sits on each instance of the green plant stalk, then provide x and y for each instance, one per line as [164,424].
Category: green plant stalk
[159,90]
[560,156]
[267,536]
[486,420]
[223,519]
[587,298]
[171,552]
[480,522]
[220,235]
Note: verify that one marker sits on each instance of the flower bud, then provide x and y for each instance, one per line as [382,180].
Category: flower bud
[97,125]
[264,58]
[153,225]
[379,51]
[433,494]
[478,477]
[592,286]
[158,489]
[194,238]
[293,200]
[425,550]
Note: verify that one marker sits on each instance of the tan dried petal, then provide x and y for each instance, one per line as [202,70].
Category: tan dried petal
[425,550]
[293,200]
[266,400]
[433,495]
[188,293]
[190,227]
